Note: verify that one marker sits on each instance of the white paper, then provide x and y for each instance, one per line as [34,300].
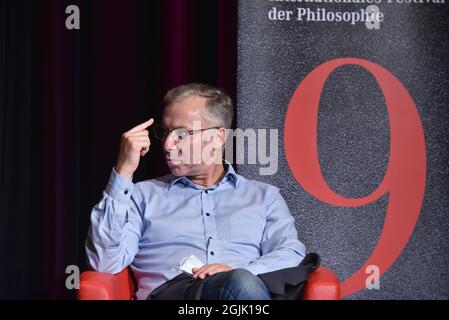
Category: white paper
[188,263]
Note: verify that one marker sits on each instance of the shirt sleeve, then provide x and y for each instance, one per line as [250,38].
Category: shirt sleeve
[116,227]
[280,245]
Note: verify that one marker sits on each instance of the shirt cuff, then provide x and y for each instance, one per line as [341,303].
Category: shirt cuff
[119,187]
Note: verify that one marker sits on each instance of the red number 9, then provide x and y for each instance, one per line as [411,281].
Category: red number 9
[405,177]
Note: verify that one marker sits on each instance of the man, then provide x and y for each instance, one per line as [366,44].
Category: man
[238,228]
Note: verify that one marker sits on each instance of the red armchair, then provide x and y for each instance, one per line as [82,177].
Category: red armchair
[322,285]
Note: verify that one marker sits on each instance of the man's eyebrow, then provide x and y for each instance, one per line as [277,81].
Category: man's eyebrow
[180,127]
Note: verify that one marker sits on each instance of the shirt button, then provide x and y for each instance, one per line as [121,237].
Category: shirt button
[207,191]
[210,238]
[212,253]
[126,191]
[208,214]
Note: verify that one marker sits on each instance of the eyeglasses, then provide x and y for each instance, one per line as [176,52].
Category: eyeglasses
[161,133]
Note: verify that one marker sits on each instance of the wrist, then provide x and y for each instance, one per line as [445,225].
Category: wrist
[127,174]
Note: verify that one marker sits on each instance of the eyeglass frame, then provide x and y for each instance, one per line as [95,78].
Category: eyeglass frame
[189,132]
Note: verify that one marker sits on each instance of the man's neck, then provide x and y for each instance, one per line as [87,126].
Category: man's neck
[211,178]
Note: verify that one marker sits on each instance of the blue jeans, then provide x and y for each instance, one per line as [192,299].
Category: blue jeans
[237,284]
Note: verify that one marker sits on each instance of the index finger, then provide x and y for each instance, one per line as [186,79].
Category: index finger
[199,270]
[142,126]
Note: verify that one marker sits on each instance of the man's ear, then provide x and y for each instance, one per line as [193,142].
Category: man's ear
[220,139]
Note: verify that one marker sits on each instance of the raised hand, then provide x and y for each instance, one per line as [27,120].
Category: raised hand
[135,143]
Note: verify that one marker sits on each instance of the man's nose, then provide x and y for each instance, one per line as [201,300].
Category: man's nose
[169,143]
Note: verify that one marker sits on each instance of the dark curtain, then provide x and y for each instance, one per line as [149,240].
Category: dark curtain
[65,98]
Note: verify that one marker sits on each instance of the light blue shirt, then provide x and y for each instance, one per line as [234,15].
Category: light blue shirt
[152,225]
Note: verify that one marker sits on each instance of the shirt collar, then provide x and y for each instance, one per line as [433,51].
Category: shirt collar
[230,175]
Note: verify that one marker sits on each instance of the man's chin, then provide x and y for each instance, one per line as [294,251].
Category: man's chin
[177,168]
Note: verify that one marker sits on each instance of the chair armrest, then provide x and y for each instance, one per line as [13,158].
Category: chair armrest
[106,286]
[322,285]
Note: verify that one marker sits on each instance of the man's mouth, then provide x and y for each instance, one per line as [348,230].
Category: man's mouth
[170,160]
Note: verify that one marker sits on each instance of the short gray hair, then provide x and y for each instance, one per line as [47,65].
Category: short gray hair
[218,105]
